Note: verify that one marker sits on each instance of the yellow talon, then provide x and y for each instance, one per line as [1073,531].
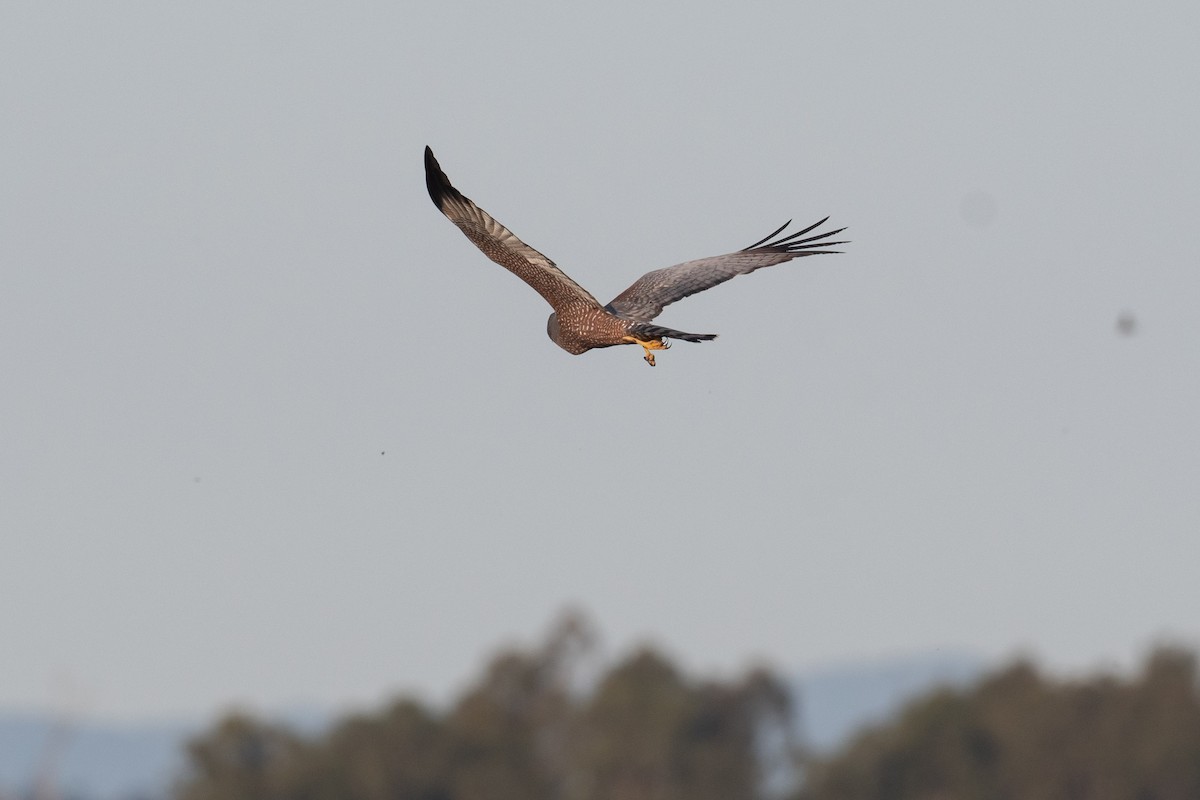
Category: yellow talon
[648,345]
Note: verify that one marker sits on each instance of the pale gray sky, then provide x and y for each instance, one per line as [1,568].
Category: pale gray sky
[274,431]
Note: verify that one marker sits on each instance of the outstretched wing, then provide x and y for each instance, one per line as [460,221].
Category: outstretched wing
[500,244]
[645,299]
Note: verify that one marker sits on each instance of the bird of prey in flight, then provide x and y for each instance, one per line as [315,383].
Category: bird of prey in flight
[579,322]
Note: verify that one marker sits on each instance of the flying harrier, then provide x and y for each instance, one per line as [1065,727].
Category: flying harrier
[579,323]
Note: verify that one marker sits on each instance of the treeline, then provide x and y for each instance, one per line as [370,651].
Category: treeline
[1018,735]
[536,727]
[526,731]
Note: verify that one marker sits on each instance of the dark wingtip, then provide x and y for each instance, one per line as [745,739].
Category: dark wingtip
[770,235]
[435,180]
[795,246]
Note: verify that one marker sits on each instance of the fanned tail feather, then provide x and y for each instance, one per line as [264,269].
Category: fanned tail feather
[647,332]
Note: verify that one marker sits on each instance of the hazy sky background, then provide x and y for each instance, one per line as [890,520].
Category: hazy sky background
[273,431]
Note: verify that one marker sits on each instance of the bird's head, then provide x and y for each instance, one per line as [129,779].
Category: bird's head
[552,329]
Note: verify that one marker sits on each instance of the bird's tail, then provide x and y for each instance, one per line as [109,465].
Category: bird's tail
[646,331]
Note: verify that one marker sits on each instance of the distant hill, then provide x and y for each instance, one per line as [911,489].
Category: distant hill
[837,701]
[97,761]
[111,761]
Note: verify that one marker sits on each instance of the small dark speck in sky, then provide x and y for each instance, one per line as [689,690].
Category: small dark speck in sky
[1127,323]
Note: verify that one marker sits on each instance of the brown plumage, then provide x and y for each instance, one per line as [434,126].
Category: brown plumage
[579,323]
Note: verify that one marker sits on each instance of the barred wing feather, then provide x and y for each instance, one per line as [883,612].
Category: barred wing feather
[649,294]
[501,245]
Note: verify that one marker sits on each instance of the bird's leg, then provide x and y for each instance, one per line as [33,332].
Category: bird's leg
[648,345]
